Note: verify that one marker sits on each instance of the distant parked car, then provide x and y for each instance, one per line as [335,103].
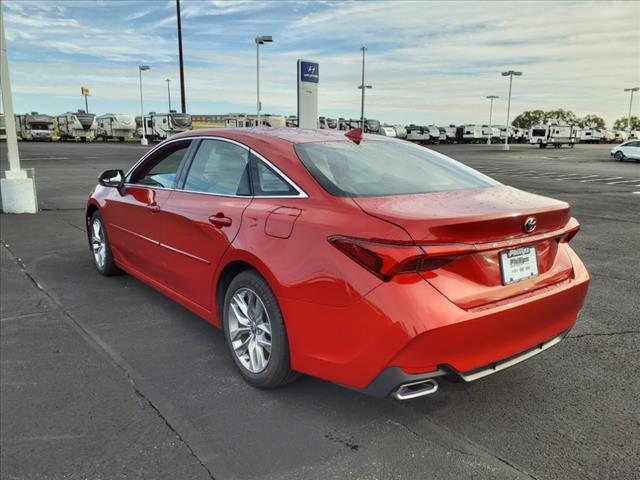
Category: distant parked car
[627,150]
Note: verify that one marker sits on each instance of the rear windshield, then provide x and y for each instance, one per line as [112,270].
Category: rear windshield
[377,168]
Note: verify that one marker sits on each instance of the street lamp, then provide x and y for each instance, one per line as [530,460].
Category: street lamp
[143,140]
[509,74]
[634,89]
[492,98]
[260,40]
[362,87]
[168,80]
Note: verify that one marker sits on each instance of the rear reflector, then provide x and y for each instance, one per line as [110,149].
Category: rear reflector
[388,259]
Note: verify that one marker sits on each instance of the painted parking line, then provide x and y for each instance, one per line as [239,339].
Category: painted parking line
[600,179]
[624,181]
[586,176]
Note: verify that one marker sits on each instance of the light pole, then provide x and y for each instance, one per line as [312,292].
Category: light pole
[260,40]
[143,140]
[634,89]
[492,98]
[509,74]
[168,80]
[362,87]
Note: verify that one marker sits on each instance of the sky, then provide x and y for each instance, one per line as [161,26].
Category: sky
[428,62]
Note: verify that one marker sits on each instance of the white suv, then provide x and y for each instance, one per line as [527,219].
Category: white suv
[627,150]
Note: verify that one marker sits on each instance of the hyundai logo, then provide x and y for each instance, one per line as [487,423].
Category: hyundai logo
[530,224]
[311,69]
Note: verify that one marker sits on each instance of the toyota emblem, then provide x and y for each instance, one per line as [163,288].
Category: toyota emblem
[530,224]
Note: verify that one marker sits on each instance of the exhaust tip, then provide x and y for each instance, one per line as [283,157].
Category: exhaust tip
[415,389]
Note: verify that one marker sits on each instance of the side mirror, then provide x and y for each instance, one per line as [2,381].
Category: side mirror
[112,178]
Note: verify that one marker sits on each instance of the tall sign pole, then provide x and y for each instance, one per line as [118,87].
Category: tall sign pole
[85,93]
[182,97]
[308,80]
[18,188]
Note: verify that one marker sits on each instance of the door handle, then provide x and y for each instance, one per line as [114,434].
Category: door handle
[153,208]
[219,220]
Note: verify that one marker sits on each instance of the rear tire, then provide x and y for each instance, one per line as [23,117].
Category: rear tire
[255,332]
[100,247]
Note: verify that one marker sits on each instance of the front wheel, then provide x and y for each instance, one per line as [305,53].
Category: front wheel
[102,256]
[255,332]
[619,156]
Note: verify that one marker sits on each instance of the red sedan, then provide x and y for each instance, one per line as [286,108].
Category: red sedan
[363,260]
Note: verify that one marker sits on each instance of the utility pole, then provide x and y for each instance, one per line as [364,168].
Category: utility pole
[260,40]
[492,98]
[143,140]
[510,74]
[363,87]
[634,89]
[168,80]
[85,93]
[182,97]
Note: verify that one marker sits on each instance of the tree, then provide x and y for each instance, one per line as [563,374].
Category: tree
[593,121]
[561,116]
[528,119]
[621,123]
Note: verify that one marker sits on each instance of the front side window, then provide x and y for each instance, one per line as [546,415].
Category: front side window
[385,167]
[219,167]
[161,168]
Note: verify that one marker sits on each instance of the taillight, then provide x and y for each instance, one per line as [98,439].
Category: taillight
[389,259]
[570,230]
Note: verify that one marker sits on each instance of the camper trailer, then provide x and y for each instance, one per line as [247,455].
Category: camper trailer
[490,133]
[116,125]
[592,135]
[34,126]
[417,133]
[472,133]
[160,126]
[243,120]
[371,125]
[401,132]
[387,131]
[448,134]
[78,126]
[553,134]
[620,136]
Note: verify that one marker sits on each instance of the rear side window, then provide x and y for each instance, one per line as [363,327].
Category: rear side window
[378,168]
[219,167]
[267,182]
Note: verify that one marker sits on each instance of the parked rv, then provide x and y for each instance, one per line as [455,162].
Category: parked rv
[243,120]
[448,134]
[34,126]
[371,125]
[401,132]
[78,126]
[417,133]
[620,136]
[387,131]
[472,133]
[160,126]
[592,135]
[116,126]
[553,134]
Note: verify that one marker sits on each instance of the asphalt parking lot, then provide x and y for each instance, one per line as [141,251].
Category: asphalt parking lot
[105,378]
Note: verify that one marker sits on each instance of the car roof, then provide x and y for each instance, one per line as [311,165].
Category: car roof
[274,134]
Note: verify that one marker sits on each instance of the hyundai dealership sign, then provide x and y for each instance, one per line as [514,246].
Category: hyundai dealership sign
[308,78]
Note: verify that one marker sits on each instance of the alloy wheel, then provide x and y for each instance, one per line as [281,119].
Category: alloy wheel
[249,330]
[98,243]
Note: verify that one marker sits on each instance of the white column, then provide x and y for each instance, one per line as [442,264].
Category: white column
[18,187]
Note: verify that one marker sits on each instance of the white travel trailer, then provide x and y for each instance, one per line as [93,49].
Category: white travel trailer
[34,126]
[417,133]
[243,120]
[635,134]
[387,131]
[448,134]
[592,135]
[472,133]
[401,132]
[79,126]
[490,133]
[620,136]
[553,134]
[116,125]
[159,126]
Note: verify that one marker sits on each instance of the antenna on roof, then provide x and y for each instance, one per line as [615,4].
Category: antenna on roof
[354,135]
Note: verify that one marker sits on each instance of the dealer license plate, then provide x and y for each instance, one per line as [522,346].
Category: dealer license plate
[518,264]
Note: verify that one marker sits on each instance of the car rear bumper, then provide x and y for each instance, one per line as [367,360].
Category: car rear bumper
[406,330]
